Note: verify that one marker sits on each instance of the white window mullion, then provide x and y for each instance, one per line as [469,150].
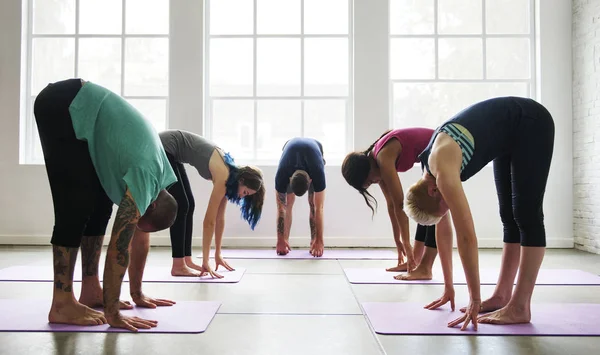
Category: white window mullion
[350,98]
[208,126]
[76,38]
[302,99]
[532,50]
[29,124]
[254,85]
[484,39]
[435,40]
[123,23]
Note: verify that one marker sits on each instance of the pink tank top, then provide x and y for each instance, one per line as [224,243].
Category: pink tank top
[413,141]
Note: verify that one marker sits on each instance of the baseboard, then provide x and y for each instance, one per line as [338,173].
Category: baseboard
[267,242]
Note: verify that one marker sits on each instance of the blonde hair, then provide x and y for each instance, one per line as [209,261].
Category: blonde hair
[420,206]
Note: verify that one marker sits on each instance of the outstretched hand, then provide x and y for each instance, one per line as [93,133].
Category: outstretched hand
[448,296]
[130,323]
[220,262]
[206,270]
[142,300]
[470,316]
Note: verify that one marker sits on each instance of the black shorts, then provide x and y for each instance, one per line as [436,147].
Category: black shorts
[81,206]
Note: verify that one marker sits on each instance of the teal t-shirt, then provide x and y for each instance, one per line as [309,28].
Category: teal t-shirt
[124,147]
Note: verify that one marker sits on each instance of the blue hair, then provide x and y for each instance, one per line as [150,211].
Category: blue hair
[250,211]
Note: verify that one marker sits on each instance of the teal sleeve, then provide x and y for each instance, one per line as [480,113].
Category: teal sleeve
[144,188]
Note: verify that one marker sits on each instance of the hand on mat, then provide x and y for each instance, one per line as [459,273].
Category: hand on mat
[130,323]
[142,300]
[470,316]
[316,248]
[219,261]
[283,247]
[207,270]
[448,296]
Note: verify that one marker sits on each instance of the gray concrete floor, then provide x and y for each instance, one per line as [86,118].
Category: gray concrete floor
[297,307]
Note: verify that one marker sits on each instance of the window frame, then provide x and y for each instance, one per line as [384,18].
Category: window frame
[531,82]
[348,99]
[27,154]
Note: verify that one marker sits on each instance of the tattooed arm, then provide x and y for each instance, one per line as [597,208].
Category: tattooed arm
[117,261]
[282,244]
[140,245]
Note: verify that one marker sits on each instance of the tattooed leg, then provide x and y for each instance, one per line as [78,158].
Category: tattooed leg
[91,291]
[65,309]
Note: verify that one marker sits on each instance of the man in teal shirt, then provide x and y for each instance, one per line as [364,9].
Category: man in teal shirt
[100,151]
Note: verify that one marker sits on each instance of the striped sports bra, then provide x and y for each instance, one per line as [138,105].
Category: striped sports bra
[464,139]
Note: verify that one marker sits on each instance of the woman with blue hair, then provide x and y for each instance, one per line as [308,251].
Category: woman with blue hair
[241,185]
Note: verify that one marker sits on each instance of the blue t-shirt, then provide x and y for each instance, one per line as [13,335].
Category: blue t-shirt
[125,149]
[301,154]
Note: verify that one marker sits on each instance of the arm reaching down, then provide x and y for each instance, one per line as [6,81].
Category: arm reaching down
[386,160]
[209,225]
[443,238]
[282,239]
[117,261]
[220,228]
[450,187]
[316,201]
[140,245]
[401,266]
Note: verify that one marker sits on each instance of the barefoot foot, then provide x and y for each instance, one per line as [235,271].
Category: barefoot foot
[73,312]
[191,265]
[507,315]
[399,268]
[420,273]
[491,304]
[185,271]
[95,299]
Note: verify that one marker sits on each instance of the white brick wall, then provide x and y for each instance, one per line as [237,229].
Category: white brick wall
[586,125]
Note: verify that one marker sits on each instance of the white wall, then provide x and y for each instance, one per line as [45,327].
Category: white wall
[26,208]
[586,124]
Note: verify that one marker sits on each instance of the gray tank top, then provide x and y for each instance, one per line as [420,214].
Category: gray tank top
[189,148]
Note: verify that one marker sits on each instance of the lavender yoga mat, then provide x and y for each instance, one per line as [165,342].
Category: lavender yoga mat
[328,254]
[183,317]
[549,277]
[37,273]
[577,319]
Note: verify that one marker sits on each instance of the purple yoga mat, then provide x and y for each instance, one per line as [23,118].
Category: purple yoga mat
[183,317]
[549,277]
[37,273]
[578,319]
[328,254]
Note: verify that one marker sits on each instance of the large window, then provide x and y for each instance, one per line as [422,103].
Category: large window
[120,44]
[277,69]
[448,54]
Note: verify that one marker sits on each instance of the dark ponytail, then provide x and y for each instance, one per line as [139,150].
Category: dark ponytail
[356,168]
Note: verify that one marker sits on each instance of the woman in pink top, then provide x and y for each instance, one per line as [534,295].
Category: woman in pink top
[395,151]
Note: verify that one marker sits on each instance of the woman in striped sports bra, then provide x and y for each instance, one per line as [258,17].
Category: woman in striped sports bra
[517,134]
[396,151]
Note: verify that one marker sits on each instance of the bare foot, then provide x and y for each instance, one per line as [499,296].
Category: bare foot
[94,299]
[420,273]
[507,315]
[73,312]
[399,268]
[491,304]
[190,264]
[185,271]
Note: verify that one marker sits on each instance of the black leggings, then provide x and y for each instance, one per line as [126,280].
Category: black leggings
[81,206]
[181,230]
[521,178]
[426,234]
